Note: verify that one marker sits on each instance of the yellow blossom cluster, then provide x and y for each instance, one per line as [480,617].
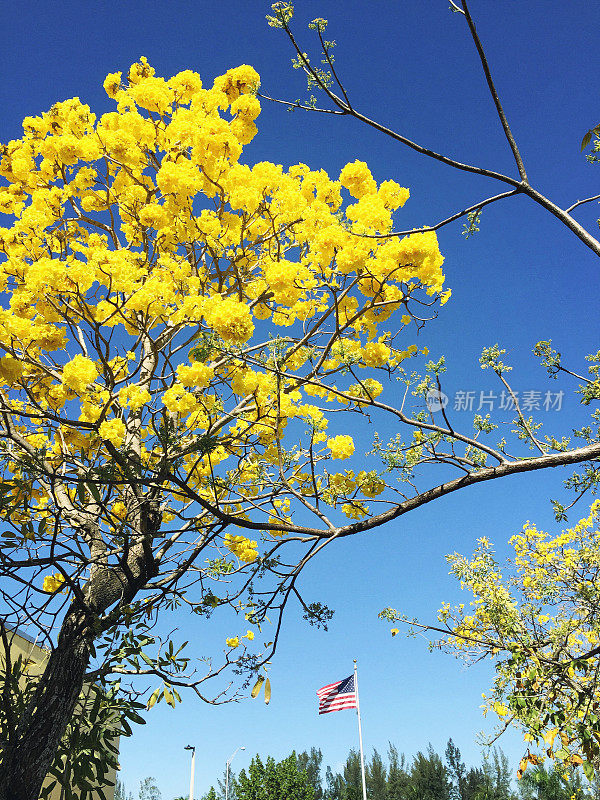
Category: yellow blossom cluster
[113,430]
[341,446]
[234,641]
[355,510]
[78,373]
[245,549]
[369,483]
[197,374]
[53,583]
[134,397]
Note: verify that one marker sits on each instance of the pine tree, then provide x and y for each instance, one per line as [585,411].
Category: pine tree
[398,783]
[457,771]
[121,792]
[311,764]
[376,778]
[352,777]
[334,785]
[149,790]
[429,777]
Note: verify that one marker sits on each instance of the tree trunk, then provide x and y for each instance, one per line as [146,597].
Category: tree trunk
[32,747]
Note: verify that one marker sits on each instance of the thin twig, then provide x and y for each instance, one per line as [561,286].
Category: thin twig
[490,82]
[438,225]
[581,202]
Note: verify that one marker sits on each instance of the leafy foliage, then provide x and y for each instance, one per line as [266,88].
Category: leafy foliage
[273,780]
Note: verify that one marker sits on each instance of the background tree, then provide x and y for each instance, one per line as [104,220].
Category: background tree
[476,783]
[398,780]
[496,776]
[310,763]
[334,785]
[376,778]
[149,790]
[121,792]
[352,777]
[555,783]
[457,772]
[274,781]
[429,777]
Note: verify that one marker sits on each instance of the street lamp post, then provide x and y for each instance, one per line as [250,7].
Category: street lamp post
[193,749]
[227,772]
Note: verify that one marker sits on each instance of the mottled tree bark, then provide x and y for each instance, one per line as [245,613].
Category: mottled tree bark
[32,746]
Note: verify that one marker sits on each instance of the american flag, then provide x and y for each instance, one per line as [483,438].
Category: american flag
[336,696]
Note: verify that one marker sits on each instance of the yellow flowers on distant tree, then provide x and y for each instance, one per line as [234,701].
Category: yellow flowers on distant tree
[539,625]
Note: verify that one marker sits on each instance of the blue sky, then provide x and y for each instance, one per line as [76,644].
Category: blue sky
[523,278]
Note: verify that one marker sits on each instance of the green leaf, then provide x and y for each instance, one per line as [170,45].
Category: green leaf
[153,698]
[586,140]
[136,717]
[588,770]
[147,659]
[93,490]
[169,697]
[595,131]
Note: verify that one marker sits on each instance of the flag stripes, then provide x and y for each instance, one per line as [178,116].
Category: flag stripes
[336,696]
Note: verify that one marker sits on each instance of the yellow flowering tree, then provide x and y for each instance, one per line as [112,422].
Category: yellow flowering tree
[178,328]
[538,622]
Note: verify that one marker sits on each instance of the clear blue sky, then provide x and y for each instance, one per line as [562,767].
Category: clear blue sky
[522,278]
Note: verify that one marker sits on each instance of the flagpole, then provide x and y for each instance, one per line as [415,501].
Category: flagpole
[362,758]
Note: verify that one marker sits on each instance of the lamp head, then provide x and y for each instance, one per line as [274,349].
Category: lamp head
[189,747]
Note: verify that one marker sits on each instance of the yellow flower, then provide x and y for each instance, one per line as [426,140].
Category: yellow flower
[244,549]
[198,374]
[341,446]
[112,83]
[113,430]
[376,354]
[249,635]
[234,641]
[357,179]
[134,397]
[78,373]
[52,583]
